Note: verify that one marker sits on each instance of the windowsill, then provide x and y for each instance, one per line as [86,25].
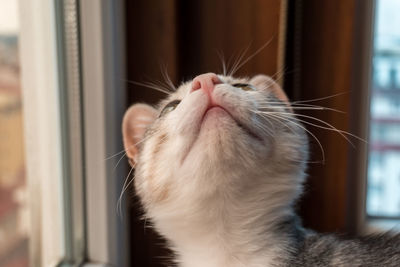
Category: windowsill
[380,225]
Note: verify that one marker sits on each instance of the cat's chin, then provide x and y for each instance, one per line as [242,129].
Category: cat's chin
[213,117]
[220,137]
[216,118]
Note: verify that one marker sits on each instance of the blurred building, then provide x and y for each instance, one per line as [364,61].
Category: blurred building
[384,157]
[13,205]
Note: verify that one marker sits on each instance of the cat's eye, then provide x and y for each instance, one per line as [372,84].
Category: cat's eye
[169,107]
[244,86]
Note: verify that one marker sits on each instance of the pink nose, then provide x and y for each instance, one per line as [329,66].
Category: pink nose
[206,82]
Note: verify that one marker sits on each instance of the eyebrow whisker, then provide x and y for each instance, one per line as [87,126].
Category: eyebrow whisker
[151,86]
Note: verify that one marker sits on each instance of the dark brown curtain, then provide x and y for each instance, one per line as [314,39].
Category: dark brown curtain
[186,38]
[323,57]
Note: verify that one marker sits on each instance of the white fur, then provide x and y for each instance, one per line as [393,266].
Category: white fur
[226,190]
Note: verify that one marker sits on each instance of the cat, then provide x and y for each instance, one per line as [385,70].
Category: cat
[219,165]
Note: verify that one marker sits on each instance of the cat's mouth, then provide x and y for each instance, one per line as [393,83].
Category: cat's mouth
[242,126]
[216,110]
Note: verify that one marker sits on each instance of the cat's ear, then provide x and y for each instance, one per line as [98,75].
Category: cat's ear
[134,125]
[265,82]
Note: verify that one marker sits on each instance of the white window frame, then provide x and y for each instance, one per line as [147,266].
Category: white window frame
[104,83]
[73,95]
[39,78]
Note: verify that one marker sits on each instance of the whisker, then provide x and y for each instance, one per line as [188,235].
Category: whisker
[279,74]
[124,188]
[291,129]
[151,86]
[320,98]
[122,151]
[309,162]
[275,119]
[325,108]
[238,59]
[119,160]
[331,127]
[146,138]
[265,129]
[162,84]
[116,154]
[297,106]
[222,58]
[252,55]
[167,79]
[302,127]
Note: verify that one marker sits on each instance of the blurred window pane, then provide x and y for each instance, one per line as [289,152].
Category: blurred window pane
[14,227]
[383,198]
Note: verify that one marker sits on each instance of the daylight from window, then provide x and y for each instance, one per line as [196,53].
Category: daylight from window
[383,198]
[13,205]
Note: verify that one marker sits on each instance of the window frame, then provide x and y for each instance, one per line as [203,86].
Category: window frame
[102,33]
[360,104]
[358,219]
[72,71]
[375,224]
[42,130]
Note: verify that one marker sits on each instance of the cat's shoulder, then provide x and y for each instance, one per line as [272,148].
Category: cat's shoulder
[335,250]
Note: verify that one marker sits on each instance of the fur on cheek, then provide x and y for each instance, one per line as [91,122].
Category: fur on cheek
[153,188]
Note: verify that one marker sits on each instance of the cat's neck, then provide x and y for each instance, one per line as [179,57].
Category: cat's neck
[231,232]
[239,248]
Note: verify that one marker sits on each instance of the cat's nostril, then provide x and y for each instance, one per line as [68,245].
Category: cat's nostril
[205,82]
[196,85]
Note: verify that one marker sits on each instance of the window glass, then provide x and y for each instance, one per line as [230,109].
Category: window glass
[14,226]
[383,198]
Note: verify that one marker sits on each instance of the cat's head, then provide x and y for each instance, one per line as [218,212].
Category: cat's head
[215,136]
